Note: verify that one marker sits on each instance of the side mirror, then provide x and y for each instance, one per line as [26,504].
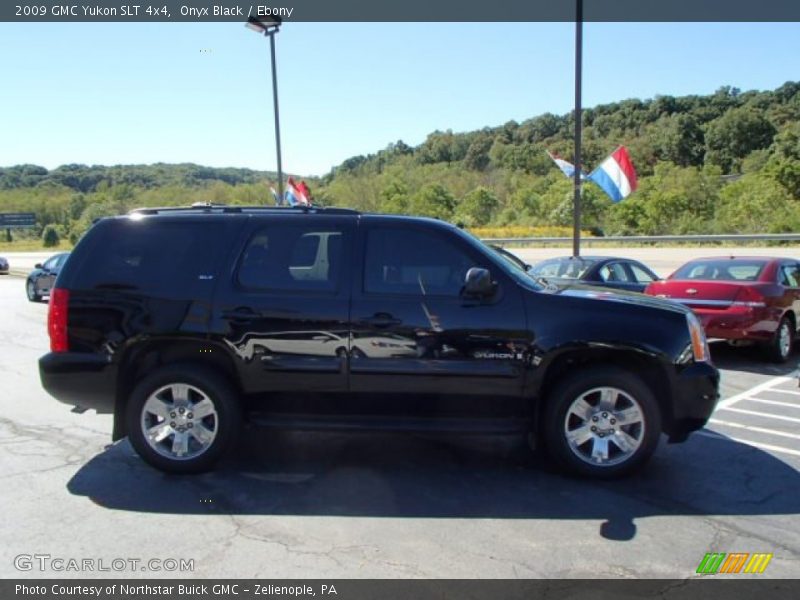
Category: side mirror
[38,266]
[478,283]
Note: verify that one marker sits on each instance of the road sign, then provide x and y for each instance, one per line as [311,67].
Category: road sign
[17,220]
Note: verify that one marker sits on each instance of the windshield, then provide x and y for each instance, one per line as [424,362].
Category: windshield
[721,270]
[562,268]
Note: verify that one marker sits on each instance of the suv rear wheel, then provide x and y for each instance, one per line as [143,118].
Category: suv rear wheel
[601,423]
[182,419]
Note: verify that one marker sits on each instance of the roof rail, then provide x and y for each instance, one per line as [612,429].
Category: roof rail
[213,208]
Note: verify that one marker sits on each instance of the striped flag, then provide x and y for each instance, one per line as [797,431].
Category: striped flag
[616,175]
[566,167]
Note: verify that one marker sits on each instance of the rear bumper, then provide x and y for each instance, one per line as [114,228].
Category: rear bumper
[695,395]
[738,323]
[84,380]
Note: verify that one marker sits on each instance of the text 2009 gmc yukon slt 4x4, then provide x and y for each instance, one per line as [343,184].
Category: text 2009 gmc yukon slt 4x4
[183,322]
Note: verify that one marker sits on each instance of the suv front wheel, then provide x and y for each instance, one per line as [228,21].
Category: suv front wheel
[601,423]
[182,419]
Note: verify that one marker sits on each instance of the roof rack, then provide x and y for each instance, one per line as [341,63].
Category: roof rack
[212,208]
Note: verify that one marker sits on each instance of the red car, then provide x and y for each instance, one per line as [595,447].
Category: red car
[740,298]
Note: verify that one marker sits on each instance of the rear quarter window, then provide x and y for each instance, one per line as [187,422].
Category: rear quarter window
[147,255]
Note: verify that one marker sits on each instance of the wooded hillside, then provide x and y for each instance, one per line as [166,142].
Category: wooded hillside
[724,163]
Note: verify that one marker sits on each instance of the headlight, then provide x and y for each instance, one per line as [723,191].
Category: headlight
[700,349]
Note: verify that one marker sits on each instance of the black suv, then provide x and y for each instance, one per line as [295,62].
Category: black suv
[183,322]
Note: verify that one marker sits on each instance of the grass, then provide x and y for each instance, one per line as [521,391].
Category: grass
[32,246]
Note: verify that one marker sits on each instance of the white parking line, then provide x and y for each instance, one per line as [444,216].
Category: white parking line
[755,413]
[774,402]
[759,445]
[754,390]
[794,436]
[785,392]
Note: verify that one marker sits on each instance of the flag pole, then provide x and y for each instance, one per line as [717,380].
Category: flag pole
[576,211]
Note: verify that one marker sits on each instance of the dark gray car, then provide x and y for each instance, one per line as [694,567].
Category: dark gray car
[43,276]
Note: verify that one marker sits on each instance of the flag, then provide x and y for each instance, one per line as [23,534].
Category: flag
[293,195]
[303,189]
[566,167]
[616,175]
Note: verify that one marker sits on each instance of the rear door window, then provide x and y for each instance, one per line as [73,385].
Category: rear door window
[613,272]
[290,257]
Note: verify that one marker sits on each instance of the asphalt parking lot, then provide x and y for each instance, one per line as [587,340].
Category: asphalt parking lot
[313,505]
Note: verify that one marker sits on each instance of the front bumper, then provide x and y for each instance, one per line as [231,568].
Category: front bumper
[87,381]
[695,395]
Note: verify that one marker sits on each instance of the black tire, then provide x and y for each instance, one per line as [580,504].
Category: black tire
[776,350]
[555,423]
[30,291]
[226,421]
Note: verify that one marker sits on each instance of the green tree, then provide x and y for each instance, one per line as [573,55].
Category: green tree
[736,134]
[477,207]
[50,237]
[433,200]
[394,198]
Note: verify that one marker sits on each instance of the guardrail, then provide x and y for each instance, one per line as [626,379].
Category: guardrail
[653,239]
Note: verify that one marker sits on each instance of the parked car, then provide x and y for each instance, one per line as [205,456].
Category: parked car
[606,271]
[40,281]
[740,299]
[168,318]
[3,265]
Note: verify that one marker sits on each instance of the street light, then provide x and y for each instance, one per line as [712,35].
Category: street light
[576,208]
[269,26]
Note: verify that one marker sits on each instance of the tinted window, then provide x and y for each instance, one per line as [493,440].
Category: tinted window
[721,270]
[174,258]
[293,257]
[413,262]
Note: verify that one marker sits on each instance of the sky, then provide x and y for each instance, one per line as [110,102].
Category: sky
[119,93]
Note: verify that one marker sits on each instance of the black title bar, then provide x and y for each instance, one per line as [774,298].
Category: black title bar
[407,10]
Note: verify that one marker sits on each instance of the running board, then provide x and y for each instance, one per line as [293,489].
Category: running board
[359,423]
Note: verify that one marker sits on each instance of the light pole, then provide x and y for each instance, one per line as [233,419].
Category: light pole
[269,26]
[576,216]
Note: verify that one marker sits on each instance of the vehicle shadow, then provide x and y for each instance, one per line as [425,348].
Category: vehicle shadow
[372,475]
[751,359]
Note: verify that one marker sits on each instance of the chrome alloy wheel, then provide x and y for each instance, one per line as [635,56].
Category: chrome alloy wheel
[785,339]
[604,426]
[179,421]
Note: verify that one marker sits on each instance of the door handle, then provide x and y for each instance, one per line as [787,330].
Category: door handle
[381,320]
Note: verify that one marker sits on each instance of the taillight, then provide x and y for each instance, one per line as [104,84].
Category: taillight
[57,320]
[747,296]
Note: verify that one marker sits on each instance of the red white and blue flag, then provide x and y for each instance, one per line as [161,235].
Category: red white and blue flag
[616,175]
[566,167]
[293,194]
